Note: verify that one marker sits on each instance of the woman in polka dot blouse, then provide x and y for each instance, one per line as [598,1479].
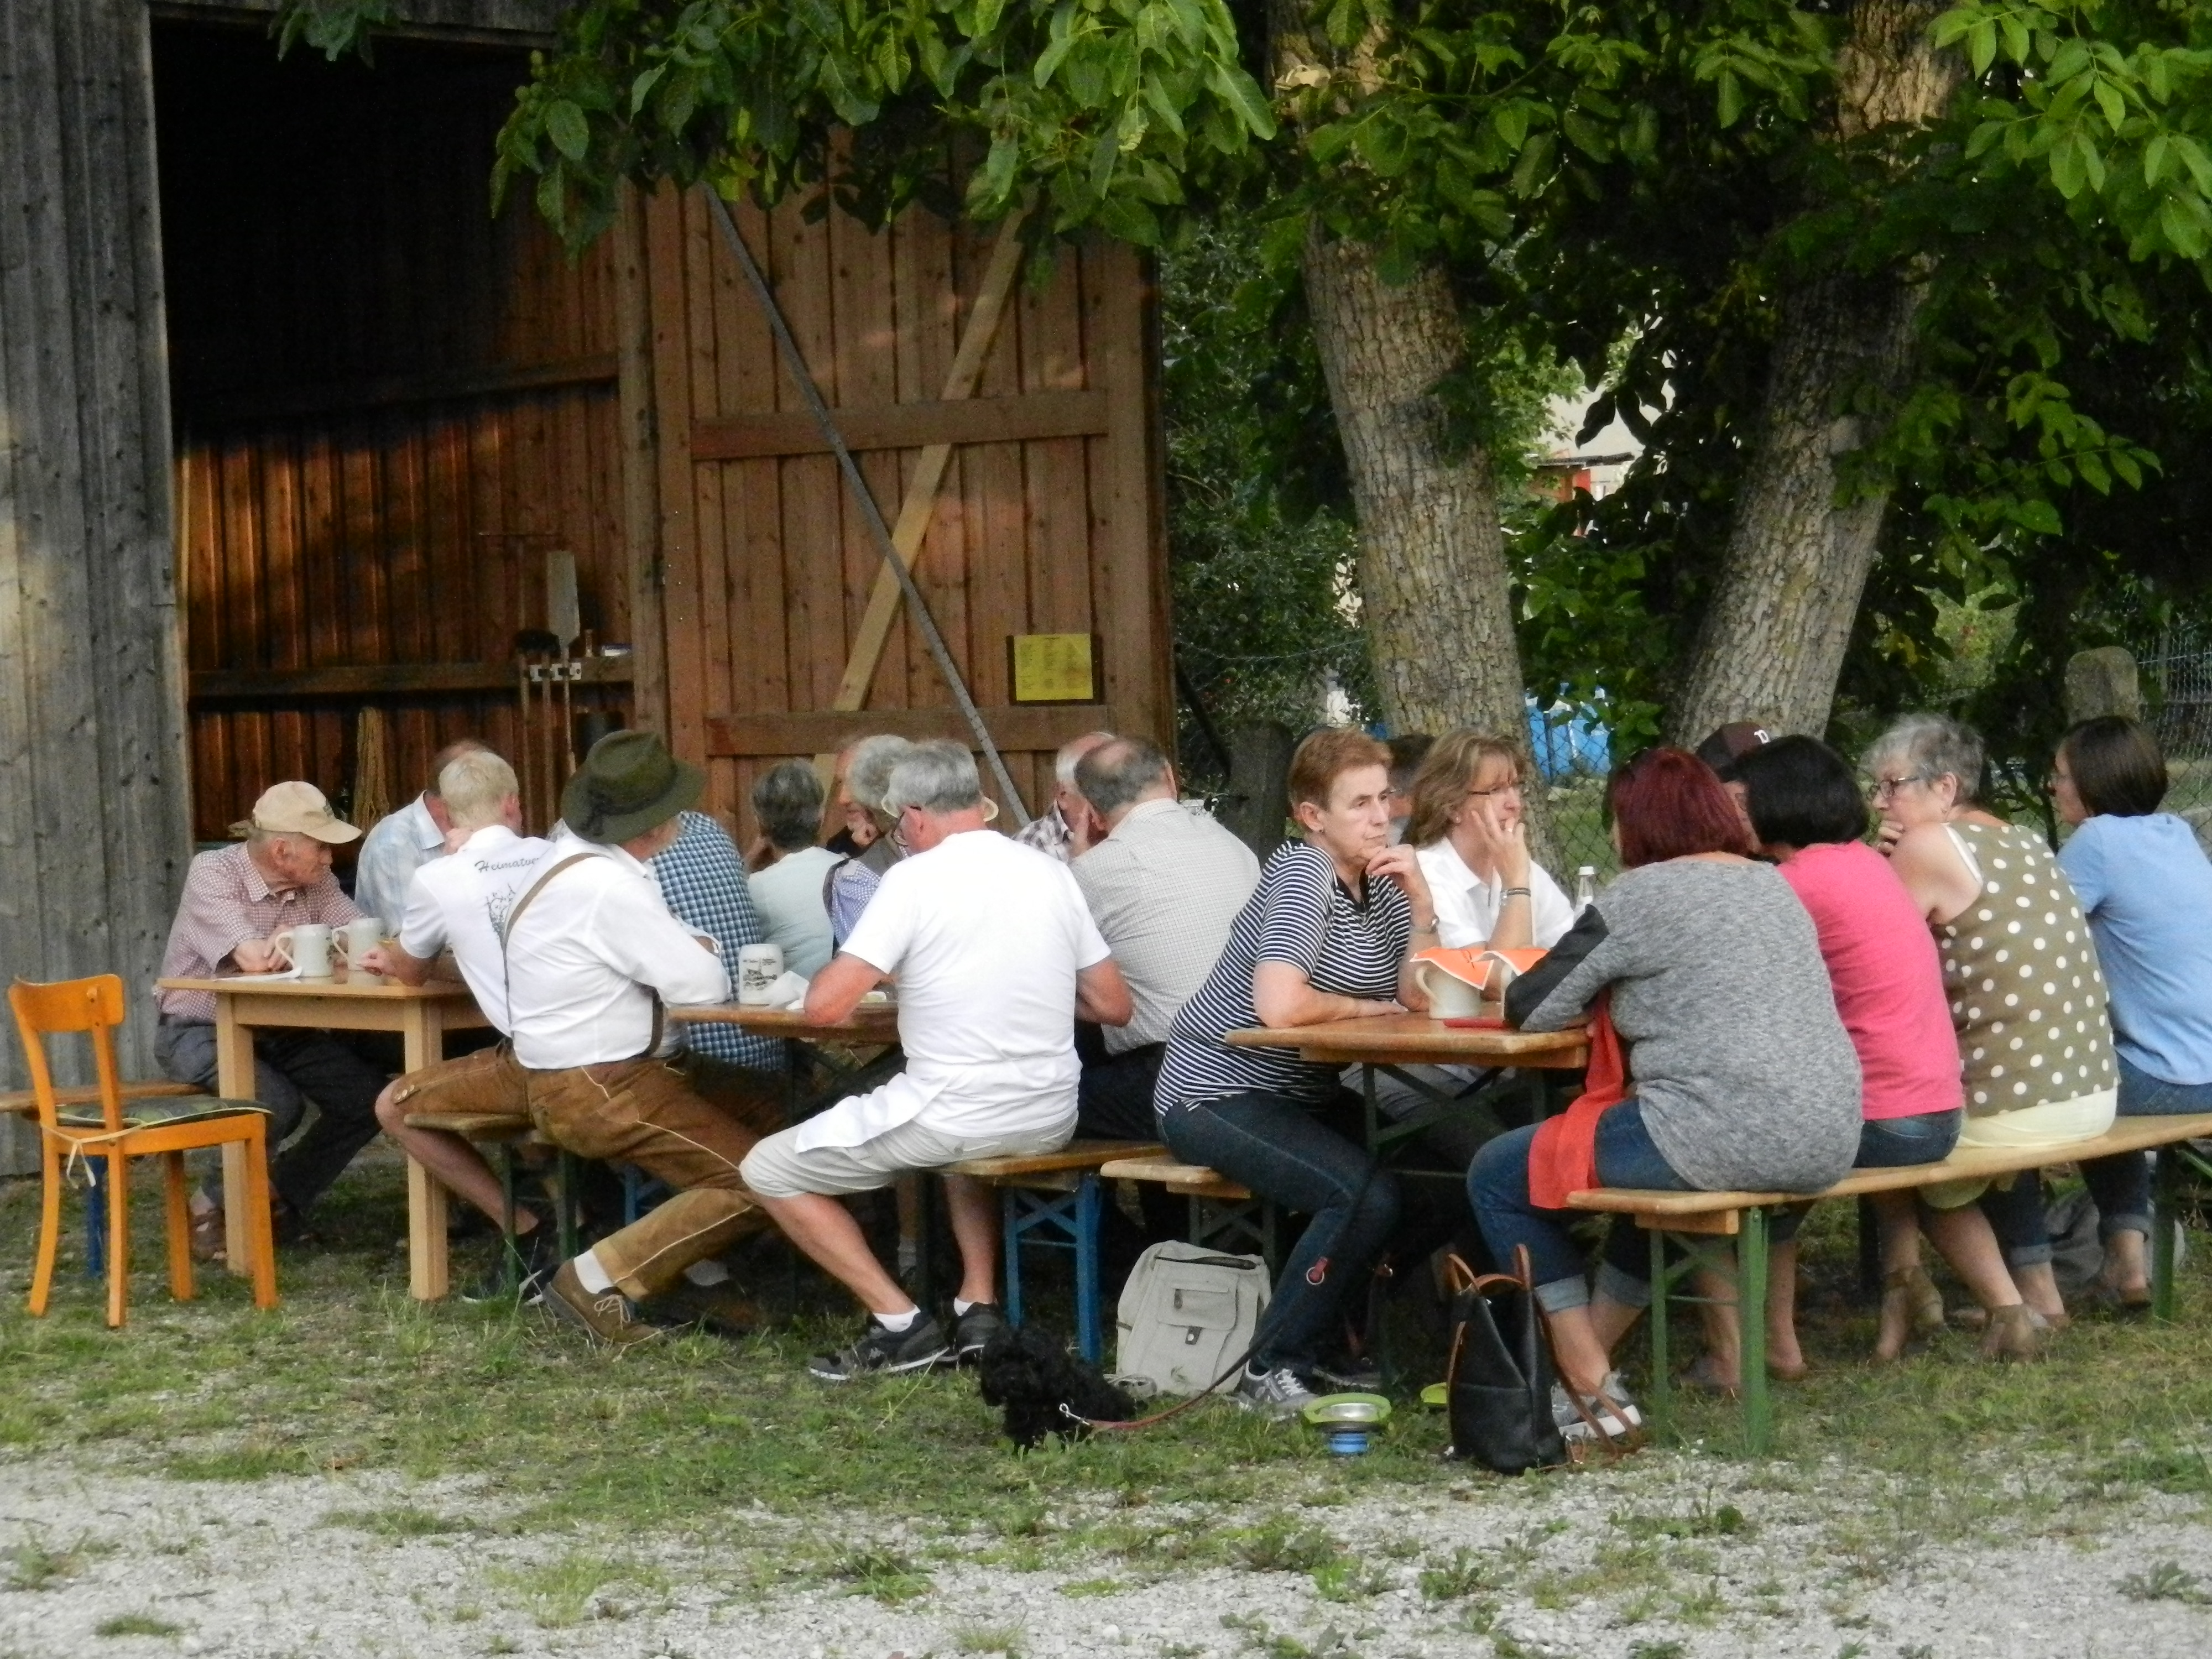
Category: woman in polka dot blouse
[2027,999]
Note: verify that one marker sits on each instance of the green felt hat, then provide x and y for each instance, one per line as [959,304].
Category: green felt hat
[628,784]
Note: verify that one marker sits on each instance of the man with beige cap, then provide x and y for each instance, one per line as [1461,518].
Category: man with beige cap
[236,901]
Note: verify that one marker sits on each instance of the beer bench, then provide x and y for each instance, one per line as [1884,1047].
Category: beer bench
[1223,1214]
[427,1250]
[1054,1200]
[1701,1223]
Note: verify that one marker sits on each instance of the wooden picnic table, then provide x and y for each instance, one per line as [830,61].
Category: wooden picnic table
[870,1023]
[421,1014]
[1418,1040]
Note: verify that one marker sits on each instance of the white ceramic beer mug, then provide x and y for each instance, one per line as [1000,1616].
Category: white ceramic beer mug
[356,939]
[1449,996]
[307,947]
[759,967]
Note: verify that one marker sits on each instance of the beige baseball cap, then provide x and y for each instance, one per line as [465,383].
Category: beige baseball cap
[300,809]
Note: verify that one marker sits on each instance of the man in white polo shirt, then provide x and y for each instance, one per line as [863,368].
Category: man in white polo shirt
[593,955]
[461,902]
[995,958]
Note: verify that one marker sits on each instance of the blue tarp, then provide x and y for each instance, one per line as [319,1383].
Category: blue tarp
[1569,740]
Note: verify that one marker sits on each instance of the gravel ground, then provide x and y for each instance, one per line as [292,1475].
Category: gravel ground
[108,1564]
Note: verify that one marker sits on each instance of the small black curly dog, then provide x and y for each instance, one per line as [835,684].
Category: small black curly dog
[1031,1375]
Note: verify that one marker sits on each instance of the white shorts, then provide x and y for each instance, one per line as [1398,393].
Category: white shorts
[777,1168]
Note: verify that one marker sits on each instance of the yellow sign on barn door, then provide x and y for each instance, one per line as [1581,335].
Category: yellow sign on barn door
[1055,667]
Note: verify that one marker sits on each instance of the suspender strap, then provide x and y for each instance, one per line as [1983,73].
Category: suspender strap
[506,933]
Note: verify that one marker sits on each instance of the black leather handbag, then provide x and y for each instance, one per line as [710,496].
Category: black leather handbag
[1498,1392]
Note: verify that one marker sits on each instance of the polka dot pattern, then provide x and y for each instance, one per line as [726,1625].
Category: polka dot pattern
[2035,973]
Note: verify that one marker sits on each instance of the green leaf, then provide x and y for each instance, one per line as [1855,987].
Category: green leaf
[1982,45]
[2114,106]
[986,14]
[2039,516]
[1242,94]
[1157,94]
[2154,159]
[642,88]
[1729,91]
[566,127]
[1049,59]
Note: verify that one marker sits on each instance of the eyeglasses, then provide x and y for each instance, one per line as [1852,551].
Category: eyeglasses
[1512,788]
[1884,788]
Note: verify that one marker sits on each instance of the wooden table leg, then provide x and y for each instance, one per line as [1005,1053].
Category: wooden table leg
[233,1080]
[421,1035]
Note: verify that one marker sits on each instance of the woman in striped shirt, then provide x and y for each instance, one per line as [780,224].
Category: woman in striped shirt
[1329,935]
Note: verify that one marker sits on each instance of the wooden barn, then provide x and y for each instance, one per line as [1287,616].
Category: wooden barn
[296,439]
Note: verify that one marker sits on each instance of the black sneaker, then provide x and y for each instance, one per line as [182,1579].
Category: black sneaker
[881,1351]
[1350,1375]
[539,1251]
[973,1331]
[1278,1394]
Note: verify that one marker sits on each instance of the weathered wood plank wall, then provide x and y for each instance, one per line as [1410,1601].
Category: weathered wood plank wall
[1047,521]
[93,830]
[389,405]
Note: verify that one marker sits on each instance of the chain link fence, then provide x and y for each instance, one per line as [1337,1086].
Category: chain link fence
[2176,677]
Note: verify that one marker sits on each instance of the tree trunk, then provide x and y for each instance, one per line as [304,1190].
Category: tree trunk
[1771,644]
[1434,585]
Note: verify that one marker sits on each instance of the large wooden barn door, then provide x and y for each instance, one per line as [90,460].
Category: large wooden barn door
[1046,521]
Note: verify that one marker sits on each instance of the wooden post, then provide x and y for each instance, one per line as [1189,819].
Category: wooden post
[641,465]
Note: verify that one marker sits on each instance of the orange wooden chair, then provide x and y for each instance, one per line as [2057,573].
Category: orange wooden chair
[151,1126]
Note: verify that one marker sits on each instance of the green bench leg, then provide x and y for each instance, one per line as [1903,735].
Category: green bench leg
[1751,1319]
[1749,1275]
[1659,1396]
[2174,1164]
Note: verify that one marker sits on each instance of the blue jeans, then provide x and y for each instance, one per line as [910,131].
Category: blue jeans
[2120,1184]
[1887,1142]
[1497,1187]
[1286,1150]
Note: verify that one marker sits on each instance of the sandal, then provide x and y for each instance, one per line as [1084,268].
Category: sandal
[2016,1335]
[1704,1376]
[1911,1311]
[210,1243]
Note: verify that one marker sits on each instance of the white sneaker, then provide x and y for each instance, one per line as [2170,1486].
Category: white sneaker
[1614,1412]
[1280,1393]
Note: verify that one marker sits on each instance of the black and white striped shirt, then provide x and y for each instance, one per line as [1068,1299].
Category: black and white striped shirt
[1300,913]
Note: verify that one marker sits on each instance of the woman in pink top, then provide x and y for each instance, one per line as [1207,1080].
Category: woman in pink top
[1809,815]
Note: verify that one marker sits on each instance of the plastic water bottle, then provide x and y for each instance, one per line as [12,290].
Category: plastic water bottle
[1585,887]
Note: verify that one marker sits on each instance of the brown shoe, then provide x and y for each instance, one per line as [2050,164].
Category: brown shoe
[603,1315]
[716,1308]
[210,1243]
[2017,1333]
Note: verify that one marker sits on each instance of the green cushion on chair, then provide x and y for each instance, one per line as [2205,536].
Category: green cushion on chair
[153,1113]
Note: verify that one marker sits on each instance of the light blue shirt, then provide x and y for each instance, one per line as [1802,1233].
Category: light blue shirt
[2146,886]
[397,846]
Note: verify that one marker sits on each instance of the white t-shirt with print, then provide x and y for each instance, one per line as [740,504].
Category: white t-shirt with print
[986,938]
[462,900]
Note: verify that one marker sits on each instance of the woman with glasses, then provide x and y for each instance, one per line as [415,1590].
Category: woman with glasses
[2146,886]
[1466,822]
[2027,1003]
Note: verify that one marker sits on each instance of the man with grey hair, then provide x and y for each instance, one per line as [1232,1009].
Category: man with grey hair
[996,958]
[846,892]
[1163,885]
[402,843]
[1067,829]
[236,901]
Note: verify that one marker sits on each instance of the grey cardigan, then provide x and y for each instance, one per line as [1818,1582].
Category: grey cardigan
[1747,1075]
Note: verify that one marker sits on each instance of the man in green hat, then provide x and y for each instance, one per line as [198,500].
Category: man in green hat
[592,954]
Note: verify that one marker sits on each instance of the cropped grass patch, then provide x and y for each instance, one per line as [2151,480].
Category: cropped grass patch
[564,1590]
[402,1521]
[136,1624]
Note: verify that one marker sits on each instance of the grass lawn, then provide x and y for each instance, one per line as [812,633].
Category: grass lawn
[687,1437]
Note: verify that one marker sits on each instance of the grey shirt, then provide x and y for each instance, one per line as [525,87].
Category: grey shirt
[1163,888]
[1747,1075]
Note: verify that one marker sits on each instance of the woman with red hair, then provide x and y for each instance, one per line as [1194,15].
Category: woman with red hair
[1737,1072]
